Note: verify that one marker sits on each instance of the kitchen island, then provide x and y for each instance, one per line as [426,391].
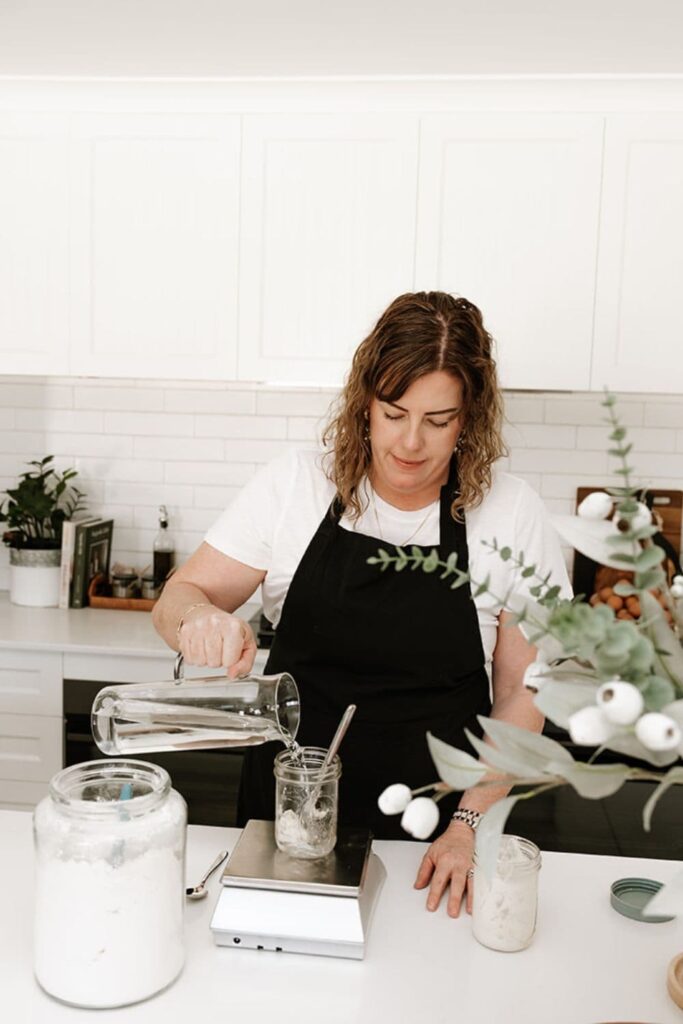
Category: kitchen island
[586,964]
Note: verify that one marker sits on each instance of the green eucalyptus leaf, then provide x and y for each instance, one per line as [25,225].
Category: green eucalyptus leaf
[455,767]
[649,558]
[501,759]
[672,778]
[657,692]
[592,781]
[624,589]
[489,831]
[431,562]
[668,651]
[560,698]
[626,743]
[534,748]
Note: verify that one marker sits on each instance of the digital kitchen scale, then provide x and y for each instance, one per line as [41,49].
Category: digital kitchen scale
[270,901]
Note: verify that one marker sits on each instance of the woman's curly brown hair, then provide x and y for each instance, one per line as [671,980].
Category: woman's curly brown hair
[420,333]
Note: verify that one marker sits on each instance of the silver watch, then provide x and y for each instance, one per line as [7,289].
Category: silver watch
[471,818]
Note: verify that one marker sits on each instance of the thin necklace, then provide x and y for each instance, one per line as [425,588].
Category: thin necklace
[379,528]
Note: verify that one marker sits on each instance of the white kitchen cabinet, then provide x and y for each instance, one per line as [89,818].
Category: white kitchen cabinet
[507,216]
[30,747]
[327,238]
[34,234]
[154,236]
[30,682]
[31,724]
[638,314]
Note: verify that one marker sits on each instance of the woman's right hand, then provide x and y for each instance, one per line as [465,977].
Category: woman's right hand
[209,636]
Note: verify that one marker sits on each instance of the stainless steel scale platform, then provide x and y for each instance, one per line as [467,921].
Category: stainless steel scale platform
[270,901]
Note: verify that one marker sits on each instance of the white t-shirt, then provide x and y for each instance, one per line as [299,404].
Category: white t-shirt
[273,519]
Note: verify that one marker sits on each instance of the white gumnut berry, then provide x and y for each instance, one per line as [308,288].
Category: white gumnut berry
[596,505]
[657,731]
[589,727]
[643,517]
[420,817]
[677,588]
[536,675]
[394,799]
[621,703]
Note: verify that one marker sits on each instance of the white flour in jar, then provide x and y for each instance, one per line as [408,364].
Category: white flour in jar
[504,907]
[109,935]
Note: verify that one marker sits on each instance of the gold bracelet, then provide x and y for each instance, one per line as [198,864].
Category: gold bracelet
[181,620]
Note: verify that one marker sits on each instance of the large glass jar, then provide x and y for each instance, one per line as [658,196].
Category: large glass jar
[306,802]
[110,874]
[504,907]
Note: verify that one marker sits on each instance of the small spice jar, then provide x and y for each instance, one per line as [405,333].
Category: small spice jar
[504,907]
[125,584]
[110,872]
[150,588]
[306,802]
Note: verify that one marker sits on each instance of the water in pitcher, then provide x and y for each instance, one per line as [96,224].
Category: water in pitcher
[196,714]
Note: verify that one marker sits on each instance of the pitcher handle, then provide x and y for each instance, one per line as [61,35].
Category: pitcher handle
[178,670]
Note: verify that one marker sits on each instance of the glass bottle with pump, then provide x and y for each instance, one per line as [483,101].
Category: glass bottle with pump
[164,549]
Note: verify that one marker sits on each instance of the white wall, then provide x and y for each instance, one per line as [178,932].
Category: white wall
[138,445]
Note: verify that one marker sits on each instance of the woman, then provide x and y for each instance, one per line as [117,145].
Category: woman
[409,461]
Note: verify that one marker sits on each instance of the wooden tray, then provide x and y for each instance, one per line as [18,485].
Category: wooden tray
[99,598]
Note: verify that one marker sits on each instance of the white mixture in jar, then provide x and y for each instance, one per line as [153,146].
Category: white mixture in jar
[109,935]
[504,908]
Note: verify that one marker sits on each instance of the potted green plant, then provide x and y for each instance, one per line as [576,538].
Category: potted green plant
[35,511]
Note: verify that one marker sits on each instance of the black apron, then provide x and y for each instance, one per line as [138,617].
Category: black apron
[402,646]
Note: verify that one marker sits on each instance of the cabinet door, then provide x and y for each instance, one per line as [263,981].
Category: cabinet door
[30,747]
[34,233]
[327,238]
[507,217]
[154,245]
[638,314]
[31,682]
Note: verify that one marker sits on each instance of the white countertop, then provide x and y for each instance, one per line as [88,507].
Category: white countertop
[586,964]
[84,630]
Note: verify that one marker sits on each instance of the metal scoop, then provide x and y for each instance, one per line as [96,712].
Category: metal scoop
[198,892]
[312,800]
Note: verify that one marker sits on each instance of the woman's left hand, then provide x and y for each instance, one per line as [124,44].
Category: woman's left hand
[445,864]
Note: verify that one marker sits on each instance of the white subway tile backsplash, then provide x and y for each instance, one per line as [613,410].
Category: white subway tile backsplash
[294,403]
[219,402]
[223,473]
[59,420]
[215,498]
[643,439]
[255,451]
[24,395]
[577,410]
[154,424]
[174,448]
[664,413]
[138,444]
[248,427]
[125,398]
[540,460]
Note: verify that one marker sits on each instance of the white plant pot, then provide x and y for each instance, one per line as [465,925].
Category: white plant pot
[34,577]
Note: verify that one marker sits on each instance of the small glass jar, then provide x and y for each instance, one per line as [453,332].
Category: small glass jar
[110,875]
[306,802]
[150,588]
[504,907]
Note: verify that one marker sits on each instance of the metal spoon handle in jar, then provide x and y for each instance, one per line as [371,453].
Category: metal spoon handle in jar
[338,737]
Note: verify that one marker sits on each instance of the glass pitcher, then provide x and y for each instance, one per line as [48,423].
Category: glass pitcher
[195,714]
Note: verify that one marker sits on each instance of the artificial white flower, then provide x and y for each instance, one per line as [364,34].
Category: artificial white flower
[677,588]
[596,505]
[535,675]
[657,731]
[620,702]
[643,517]
[589,727]
[420,817]
[394,799]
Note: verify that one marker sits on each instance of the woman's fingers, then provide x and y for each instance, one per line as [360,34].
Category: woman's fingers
[213,638]
[470,892]
[424,872]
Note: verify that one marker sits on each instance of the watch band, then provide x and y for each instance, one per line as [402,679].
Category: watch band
[471,818]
